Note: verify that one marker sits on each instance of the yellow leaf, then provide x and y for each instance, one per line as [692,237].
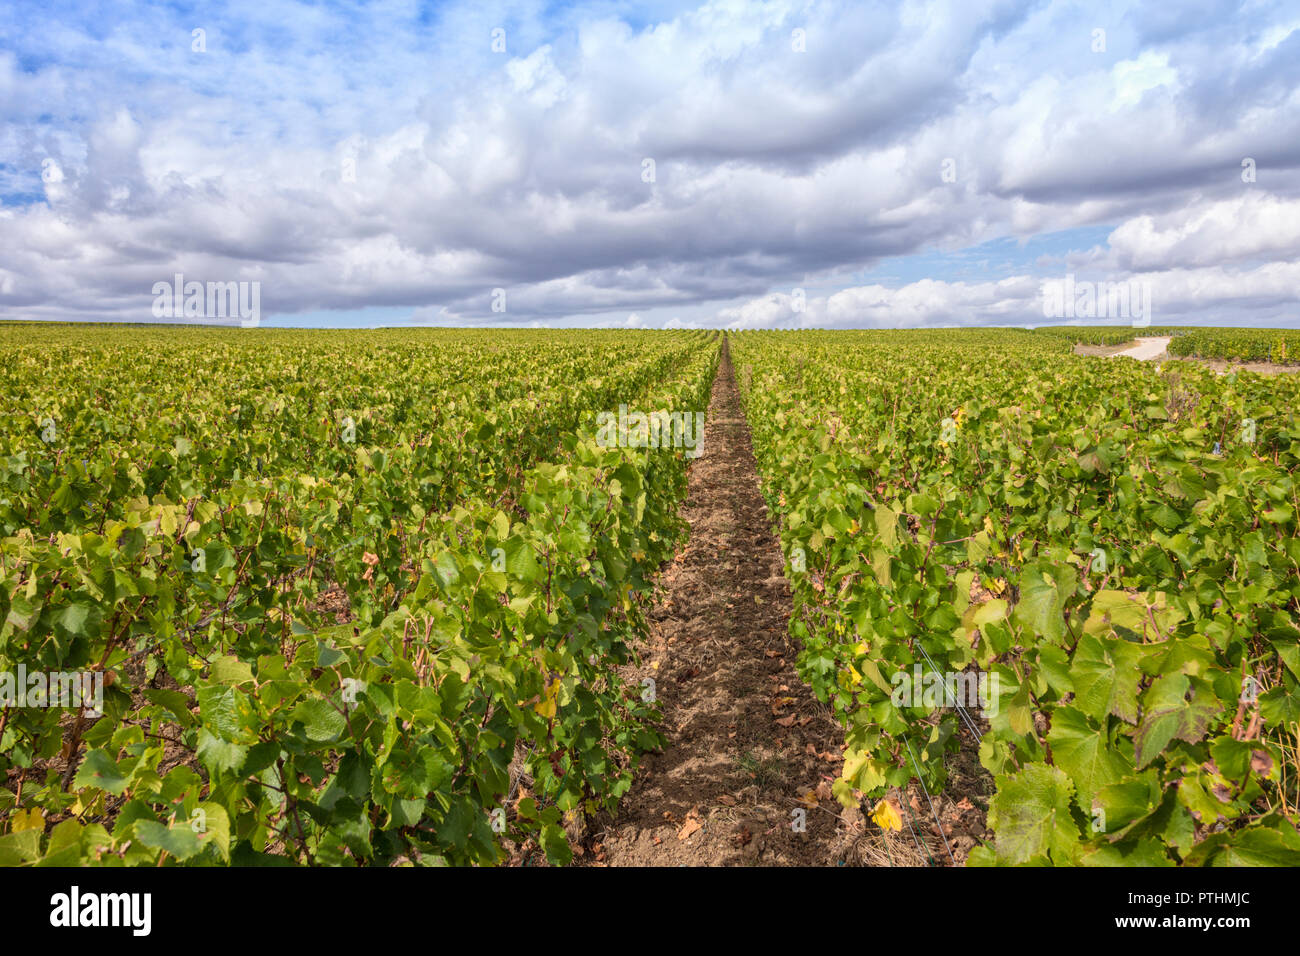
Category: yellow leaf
[31,819]
[887,816]
[548,706]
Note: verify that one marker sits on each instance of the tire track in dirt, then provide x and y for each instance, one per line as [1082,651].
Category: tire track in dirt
[746,739]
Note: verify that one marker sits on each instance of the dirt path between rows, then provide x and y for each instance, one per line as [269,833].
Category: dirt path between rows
[1142,349]
[1148,349]
[747,741]
[1157,349]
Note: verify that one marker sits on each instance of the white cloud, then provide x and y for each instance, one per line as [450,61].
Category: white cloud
[1252,226]
[1198,296]
[1132,78]
[774,168]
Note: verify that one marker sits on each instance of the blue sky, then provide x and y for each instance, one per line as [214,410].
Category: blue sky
[738,164]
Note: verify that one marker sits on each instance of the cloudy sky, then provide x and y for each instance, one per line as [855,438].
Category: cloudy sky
[740,164]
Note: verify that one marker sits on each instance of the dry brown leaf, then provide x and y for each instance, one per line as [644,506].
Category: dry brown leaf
[691,825]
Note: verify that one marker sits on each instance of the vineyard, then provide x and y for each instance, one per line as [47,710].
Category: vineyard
[1276,346]
[374,598]
[343,590]
[1279,346]
[1112,548]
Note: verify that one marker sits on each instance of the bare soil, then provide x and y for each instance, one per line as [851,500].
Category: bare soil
[1105,351]
[1220,365]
